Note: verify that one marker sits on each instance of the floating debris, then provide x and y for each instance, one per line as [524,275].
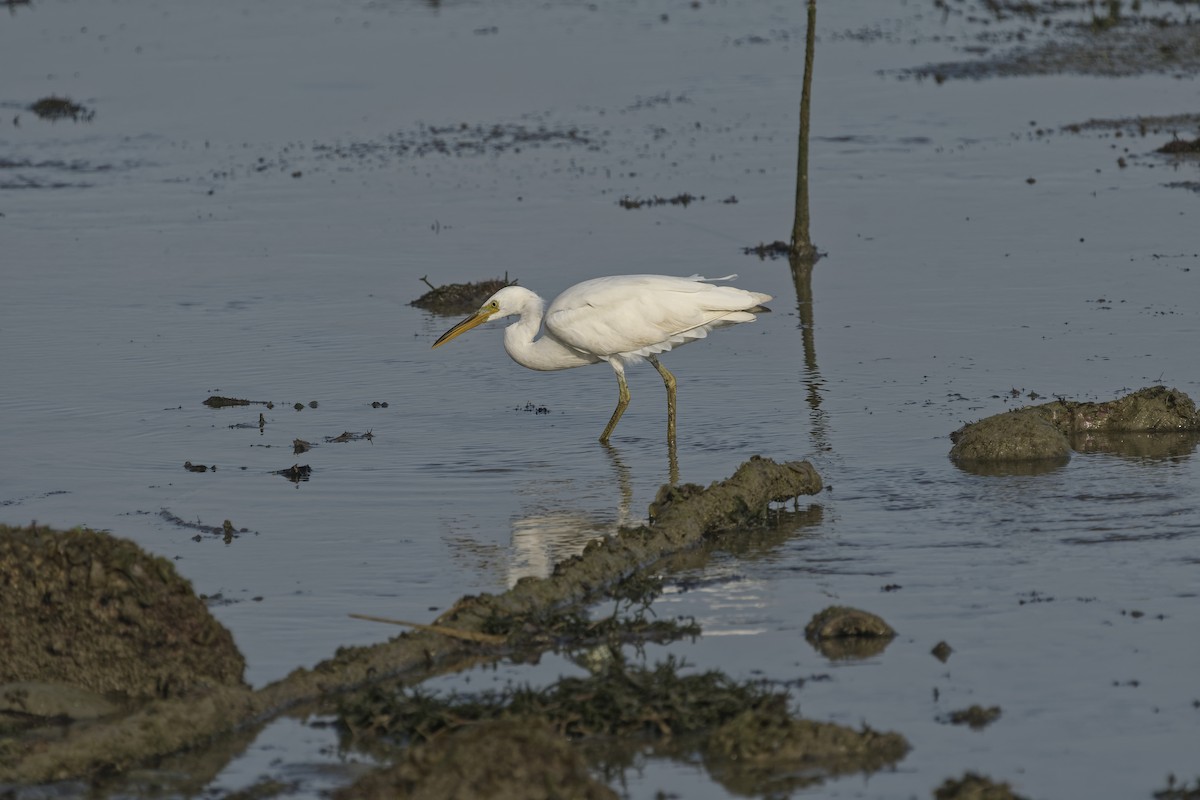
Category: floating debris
[300,446]
[190,467]
[347,436]
[295,473]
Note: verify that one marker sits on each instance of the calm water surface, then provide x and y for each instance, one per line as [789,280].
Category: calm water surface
[252,209]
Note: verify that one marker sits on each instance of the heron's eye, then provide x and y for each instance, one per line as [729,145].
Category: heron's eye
[494,306]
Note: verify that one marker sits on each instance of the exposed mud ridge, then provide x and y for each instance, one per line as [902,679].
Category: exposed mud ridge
[90,610]
[200,716]
[745,731]
[1047,432]
[455,299]
[1111,39]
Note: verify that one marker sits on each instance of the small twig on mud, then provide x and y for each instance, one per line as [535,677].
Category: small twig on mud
[425,280]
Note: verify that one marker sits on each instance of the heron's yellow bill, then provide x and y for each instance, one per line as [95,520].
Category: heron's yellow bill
[478,318]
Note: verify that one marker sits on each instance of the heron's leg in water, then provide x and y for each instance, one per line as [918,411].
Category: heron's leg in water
[669,382]
[622,401]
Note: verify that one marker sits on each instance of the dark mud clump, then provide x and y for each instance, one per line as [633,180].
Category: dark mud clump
[975,717]
[506,759]
[55,108]
[974,787]
[453,299]
[1046,432]
[941,651]
[842,633]
[87,609]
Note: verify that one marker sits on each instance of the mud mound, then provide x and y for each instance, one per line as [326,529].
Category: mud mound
[87,609]
[1046,432]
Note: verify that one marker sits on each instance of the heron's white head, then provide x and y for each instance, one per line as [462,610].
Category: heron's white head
[508,301]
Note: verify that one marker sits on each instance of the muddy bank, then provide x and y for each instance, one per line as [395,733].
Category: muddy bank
[1051,432]
[206,710]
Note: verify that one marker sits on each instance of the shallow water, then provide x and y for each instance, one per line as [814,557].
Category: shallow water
[251,210]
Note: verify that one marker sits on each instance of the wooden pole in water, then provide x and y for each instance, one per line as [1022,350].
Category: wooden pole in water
[802,246]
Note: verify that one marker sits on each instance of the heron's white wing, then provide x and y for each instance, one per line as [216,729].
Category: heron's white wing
[639,315]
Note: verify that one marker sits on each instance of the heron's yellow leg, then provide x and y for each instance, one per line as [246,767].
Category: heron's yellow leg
[622,401]
[669,382]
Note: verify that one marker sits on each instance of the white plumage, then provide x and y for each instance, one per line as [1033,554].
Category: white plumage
[621,319]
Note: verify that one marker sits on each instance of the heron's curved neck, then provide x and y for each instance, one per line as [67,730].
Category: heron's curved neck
[546,353]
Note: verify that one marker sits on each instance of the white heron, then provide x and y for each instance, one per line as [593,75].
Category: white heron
[620,319]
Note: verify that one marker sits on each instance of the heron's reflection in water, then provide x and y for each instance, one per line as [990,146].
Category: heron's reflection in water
[539,541]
